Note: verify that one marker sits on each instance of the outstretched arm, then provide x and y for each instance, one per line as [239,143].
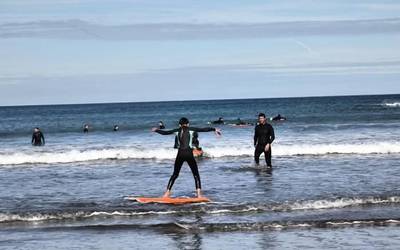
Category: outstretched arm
[165,132]
[209,129]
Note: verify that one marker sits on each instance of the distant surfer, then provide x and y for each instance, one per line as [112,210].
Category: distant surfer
[185,152]
[37,138]
[263,137]
[86,128]
[116,128]
[219,121]
[278,118]
[240,123]
[161,125]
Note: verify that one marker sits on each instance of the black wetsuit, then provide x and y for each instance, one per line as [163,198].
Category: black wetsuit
[263,135]
[279,118]
[219,121]
[185,153]
[38,138]
[195,141]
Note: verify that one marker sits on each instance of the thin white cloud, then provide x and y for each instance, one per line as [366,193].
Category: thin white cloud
[306,47]
[128,12]
[377,6]
[324,68]
[294,68]
[77,29]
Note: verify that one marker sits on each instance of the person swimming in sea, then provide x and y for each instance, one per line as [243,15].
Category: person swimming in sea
[240,122]
[278,118]
[86,128]
[219,121]
[37,138]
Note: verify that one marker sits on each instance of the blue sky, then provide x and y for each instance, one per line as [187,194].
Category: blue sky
[73,51]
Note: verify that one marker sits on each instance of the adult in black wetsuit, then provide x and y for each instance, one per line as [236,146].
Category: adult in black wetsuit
[37,138]
[263,137]
[185,151]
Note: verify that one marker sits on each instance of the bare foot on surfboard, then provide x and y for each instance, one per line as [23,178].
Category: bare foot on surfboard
[167,194]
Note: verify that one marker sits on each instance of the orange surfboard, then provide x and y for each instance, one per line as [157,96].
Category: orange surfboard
[197,152]
[169,200]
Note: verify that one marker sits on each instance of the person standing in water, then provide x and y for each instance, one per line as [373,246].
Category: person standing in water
[37,138]
[263,137]
[185,152]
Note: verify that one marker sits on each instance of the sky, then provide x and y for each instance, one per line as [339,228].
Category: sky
[87,51]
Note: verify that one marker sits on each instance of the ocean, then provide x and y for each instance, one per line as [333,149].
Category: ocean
[334,182]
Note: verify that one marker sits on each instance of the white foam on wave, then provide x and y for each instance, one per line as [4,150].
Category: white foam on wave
[37,217]
[312,149]
[226,211]
[368,222]
[243,208]
[81,156]
[117,213]
[392,104]
[343,202]
[214,152]
[34,217]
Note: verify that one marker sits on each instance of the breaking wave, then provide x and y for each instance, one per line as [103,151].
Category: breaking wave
[392,104]
[211,208]
[212,152]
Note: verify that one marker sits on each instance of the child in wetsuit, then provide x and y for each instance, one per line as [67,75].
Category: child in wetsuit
[185,151]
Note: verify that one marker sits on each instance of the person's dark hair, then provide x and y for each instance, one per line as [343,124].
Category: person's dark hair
[183,121]
[261,115]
